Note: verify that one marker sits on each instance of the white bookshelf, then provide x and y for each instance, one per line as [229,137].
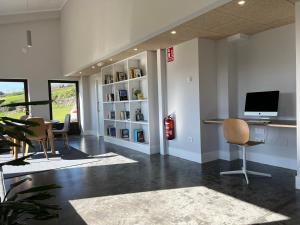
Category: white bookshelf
[147,84]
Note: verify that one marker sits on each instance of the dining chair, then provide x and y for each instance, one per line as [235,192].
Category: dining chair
[237,132]
[39,134]
[64,131]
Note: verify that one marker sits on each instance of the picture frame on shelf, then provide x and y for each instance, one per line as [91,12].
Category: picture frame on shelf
[139,116]
[124,133]
[123,96]
[137,72]
[121,76]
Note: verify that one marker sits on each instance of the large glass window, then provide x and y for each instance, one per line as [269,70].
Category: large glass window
[13,91]
[65,100]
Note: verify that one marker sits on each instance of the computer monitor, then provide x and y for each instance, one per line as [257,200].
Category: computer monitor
[263,104]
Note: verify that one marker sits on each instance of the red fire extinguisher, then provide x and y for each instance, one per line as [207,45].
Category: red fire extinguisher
[169,123]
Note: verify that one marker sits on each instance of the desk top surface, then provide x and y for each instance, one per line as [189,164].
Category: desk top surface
[273,123]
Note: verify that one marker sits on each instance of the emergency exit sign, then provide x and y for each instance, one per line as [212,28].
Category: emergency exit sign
[170,54]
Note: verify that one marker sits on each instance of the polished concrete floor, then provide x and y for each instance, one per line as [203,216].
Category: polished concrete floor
[84,188]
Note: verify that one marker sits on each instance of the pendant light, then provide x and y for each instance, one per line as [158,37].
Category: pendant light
[29,40]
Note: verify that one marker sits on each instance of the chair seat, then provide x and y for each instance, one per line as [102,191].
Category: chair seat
[59,131]
[248,144]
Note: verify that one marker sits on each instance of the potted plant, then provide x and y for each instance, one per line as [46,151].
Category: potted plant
[18,207]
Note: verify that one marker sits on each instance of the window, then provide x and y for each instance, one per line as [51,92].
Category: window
[65,100]
[14,91]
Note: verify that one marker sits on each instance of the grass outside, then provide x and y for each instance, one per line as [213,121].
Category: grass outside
[59,110]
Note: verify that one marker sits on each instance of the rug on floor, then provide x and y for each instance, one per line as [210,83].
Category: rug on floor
[66,159]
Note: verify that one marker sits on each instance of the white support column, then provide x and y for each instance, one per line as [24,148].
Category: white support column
[162,97]
[297,25]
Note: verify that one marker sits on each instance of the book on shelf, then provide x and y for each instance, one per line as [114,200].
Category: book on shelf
[110,97]
[112,115]
[124,115]
[111,131]
[123,95]
[124,133]
[138,135]
[121,76]
[108,79]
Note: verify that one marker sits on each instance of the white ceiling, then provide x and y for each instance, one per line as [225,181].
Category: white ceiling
[11,7]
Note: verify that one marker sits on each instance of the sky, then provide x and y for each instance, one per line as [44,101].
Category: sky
[8,87]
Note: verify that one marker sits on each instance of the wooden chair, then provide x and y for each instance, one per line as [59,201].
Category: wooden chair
[39,132]
[237,132]
[64,131]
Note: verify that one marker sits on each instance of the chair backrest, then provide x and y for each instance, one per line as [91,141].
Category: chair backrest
[236,131]
[39,131]
[24,117]
[66,127]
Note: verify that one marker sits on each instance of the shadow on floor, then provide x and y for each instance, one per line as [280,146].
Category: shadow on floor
[157,172]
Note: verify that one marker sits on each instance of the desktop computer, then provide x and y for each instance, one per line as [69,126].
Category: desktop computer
[261,105]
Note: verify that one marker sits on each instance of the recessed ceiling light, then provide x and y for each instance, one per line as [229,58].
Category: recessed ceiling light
[242,2]
[173,32]
[93,67]
[100,64]
[80,72]
[111,60]
[135,49]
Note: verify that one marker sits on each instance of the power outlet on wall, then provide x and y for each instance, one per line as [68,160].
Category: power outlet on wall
[190,139]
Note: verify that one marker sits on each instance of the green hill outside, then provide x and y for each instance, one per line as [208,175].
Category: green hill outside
[64,102]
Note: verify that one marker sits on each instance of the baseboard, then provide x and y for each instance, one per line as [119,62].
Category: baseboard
[184,154]
[210,156]
[271,160]
[89,132]
[297,182]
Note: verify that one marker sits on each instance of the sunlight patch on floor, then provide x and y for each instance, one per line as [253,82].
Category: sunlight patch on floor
[42,164]
[184,206]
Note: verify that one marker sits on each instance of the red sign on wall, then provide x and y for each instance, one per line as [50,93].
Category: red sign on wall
[170,54]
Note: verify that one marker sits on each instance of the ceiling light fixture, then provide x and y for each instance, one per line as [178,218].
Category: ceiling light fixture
[29,40]
[80,72]
[93,67]
[111,60]
[135,49]
[173,32]
[100,64]
[242,2]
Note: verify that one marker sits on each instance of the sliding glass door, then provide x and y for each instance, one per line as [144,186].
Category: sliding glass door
[14,91]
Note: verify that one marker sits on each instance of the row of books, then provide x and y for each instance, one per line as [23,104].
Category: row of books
[138,134]
[123,115]
[120,76]
[123,96]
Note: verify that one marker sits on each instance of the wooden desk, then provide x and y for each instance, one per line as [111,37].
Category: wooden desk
[274,123]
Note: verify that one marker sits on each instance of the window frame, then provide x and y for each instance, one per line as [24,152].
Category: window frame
[77,95]
[26,94]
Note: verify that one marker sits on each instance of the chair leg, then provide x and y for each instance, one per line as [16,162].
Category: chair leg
[26,149]
[44,148]
[66,140]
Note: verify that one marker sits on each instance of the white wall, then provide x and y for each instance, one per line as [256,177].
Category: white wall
[94,124]
[267,62]
[41,63]
[100,28]
[298,89]
[183,100]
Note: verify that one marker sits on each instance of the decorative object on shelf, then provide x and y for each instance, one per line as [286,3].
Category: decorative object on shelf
[135,72]
[124,115]
[121,76]
[138,135]
[111,131]
[110,97]
[123,95]
[108,79]
[112,115]
[138,94]
[139,115]
[124,133]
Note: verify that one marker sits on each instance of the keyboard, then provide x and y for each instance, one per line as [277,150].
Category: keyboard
[258,121]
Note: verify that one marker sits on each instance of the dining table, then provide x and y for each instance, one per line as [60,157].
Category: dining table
[49,127]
